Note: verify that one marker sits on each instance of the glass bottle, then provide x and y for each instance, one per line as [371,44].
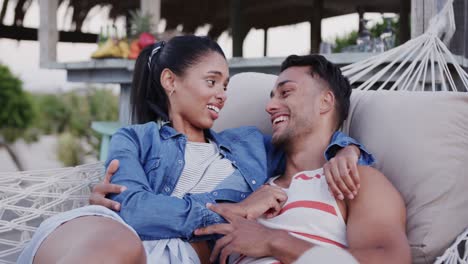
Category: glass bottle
[388,36]
[364,37]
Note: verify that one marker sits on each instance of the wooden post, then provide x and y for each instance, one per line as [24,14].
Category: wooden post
[421,13]
[265,42]
[459,43]
[152,7]
[316,26]
[405,9]
[47,33]
[235,20]
[360,12]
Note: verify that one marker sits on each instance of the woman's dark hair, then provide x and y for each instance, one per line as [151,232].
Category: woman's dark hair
[148,99]
[331,74]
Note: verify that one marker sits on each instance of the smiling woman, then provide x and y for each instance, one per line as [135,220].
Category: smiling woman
[171,165]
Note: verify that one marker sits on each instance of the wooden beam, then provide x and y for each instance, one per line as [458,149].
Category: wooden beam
[152,7]
[23,33]
[3,10]
[48,33]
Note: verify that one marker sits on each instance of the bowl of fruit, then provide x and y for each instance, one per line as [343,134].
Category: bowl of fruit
[111,46]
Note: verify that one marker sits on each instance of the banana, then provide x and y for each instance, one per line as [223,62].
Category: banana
[109,49]
[124,48]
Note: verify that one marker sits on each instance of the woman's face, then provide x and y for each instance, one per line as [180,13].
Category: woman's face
[200,93]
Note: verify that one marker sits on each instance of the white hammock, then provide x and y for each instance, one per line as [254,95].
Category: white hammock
[421,64]
[454,254]
[29,197]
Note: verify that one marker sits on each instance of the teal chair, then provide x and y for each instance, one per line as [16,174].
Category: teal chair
[106,129]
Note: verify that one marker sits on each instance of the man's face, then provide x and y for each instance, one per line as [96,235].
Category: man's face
[294,106]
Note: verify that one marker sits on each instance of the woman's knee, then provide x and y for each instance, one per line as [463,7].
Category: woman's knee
[91,239]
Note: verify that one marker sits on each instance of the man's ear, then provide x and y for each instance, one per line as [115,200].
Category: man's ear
[327,102]
[168,81]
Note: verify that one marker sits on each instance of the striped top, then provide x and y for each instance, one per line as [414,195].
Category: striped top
[311,213]
[204,169]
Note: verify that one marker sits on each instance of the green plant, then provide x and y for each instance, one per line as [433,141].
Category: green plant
[140,22]
[345,41]
[17,113]
[54,113]
[376,30]
[70,114]
[70,150]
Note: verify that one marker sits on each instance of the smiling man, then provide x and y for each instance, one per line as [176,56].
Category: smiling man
[308,104]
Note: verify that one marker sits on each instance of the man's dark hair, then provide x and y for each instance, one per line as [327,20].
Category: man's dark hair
[330,73]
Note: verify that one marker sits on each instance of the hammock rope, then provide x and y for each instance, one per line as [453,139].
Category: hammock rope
[421,64]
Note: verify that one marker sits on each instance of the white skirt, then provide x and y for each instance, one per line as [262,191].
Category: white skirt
[166,251]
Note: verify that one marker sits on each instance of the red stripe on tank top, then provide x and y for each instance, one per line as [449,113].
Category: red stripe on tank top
[310,204]
[319,238]
[241,257]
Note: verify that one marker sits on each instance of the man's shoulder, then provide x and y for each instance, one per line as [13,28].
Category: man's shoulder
[369,174]
[368,170]
[376,187]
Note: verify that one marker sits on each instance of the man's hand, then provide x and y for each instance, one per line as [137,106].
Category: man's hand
[100,190]
[342,173]
[267,200]
[241,236]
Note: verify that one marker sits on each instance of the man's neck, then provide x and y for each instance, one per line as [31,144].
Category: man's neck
[305,153]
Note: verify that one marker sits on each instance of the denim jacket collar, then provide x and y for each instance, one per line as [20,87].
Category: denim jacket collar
[220,141]
[167,132]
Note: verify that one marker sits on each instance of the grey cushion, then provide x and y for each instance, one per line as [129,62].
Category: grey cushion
[420,140]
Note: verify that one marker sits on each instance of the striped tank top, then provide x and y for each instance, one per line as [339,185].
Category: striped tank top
[311,213]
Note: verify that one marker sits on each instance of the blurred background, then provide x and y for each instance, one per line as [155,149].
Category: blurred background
[66,65]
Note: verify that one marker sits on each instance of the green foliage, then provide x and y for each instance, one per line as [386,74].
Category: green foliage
[376,30]
[345,41]
[139,22]
[54,113]
[70,115]
[17,111]
[74,111]
[70,150]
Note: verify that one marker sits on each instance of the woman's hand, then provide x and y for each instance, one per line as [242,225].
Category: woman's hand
[342,174]
[267,200]
[100,190]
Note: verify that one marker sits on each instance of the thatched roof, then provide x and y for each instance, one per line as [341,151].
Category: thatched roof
[194,13]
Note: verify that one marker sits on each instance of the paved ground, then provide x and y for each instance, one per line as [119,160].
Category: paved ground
[39,155]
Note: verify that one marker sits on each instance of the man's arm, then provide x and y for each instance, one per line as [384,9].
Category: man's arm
[377,221]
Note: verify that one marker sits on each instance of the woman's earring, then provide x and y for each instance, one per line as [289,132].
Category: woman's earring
[172,91]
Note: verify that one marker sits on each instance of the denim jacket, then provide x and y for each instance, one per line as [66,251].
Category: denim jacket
[152,160]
